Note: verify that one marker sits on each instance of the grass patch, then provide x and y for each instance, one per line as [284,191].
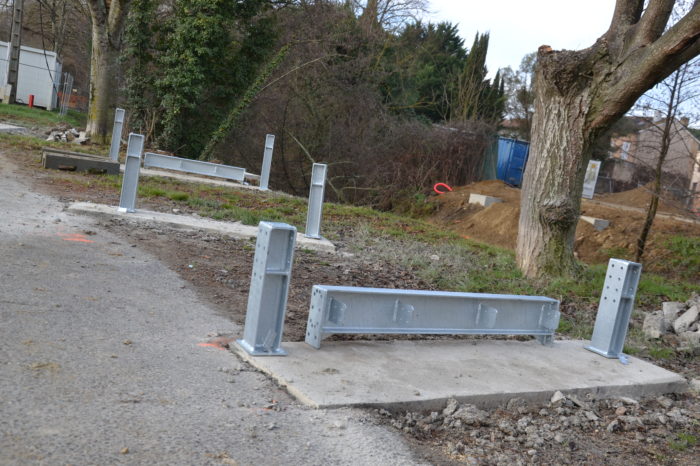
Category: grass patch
[683,441]
[686,255]
[660,352]
[177,196]
[37,116]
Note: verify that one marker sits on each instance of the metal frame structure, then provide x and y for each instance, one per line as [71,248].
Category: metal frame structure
[267,162]
[116,134]
[343,309]
[269,287]
[313,216]
[132,167]
[615,308]
[198,167]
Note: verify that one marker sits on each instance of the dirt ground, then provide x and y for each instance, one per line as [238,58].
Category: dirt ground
[565,432]
[498,223]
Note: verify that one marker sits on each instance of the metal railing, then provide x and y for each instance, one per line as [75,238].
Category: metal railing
[342,309]
[169,162]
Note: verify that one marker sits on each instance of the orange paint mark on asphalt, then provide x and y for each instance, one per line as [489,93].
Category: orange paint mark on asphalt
[76,237]
[213,345]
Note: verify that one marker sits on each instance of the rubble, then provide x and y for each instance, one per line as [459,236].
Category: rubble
[63,134]
[511,434]
[681,319]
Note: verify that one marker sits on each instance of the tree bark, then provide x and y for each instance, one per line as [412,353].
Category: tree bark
[103,73]
[108,20]
[580,94]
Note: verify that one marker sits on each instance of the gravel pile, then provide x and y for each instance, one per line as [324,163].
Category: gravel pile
[522,434]
[681,319]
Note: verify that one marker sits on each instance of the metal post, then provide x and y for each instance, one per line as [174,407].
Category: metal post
[615,308]
[313,216]
[269,286]
[132,166]
[14,51]
[116,134]
[267,162]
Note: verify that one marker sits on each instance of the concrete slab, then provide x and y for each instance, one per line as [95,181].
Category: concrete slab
[598,223]
[483,200]
[424,374]
[12,129]
[235,230]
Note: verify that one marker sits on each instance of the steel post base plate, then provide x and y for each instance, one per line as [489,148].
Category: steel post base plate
[603,353]
[258,352]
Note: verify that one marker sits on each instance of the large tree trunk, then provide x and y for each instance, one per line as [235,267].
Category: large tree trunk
[553,180]
[103,77]
[108,18]
[579,95]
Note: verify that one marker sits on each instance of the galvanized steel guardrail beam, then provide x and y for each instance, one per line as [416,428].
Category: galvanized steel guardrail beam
[313,215]
[615,308]
[267,162]
[269,286]
[132,167]
[343,309]
[152,160]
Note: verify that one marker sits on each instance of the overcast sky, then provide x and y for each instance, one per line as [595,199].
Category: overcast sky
[519,27]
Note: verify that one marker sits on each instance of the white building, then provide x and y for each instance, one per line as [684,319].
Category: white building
[39,75]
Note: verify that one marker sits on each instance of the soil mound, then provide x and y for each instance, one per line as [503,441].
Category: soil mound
[498,224]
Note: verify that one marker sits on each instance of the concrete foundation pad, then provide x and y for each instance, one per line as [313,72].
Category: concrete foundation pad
[235,230]
[483,200]
[598,223]
[425,374]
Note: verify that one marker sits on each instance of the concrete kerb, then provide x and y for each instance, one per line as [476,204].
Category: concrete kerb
[421,375]
[234,230]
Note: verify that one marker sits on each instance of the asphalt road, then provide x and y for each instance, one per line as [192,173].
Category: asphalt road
[100,362]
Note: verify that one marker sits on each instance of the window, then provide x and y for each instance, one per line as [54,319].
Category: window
[624,154]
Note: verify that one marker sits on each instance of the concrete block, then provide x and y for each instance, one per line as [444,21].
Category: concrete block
[598,223]
[74,161]
[683,323]
[671,309]
[654,325]
[12,129]
[483,200]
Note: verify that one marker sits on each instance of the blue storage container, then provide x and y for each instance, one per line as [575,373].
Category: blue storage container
[512,157]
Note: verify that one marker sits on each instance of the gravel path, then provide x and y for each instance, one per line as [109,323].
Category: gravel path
[100,361]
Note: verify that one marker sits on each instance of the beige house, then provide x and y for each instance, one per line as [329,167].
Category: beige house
[633,159]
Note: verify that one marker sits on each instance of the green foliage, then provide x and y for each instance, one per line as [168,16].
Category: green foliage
[422,64]
[208,51]
[660,352]
[478,98]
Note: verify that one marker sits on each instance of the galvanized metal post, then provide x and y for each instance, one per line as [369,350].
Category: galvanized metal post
[116,134]
[269,286]
[267,162]
[132,166]
[615,308]
[313,216]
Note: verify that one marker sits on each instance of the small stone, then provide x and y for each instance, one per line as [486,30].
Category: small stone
[124,451]
[127,342]
[532,452]
[471,415]
[558,396]
[628,401]
[694,385]
[590,416]
[621,411]
[271,426]
[686,319]
[559,438]
[614,426]
[691,339]
[451,407]
[666,403]
[434,257]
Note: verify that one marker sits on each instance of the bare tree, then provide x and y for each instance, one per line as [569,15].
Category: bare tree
[578,95]
[108,18]
[667,146]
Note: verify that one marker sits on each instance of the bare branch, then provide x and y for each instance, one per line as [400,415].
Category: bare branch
[627,13]
[654,21]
